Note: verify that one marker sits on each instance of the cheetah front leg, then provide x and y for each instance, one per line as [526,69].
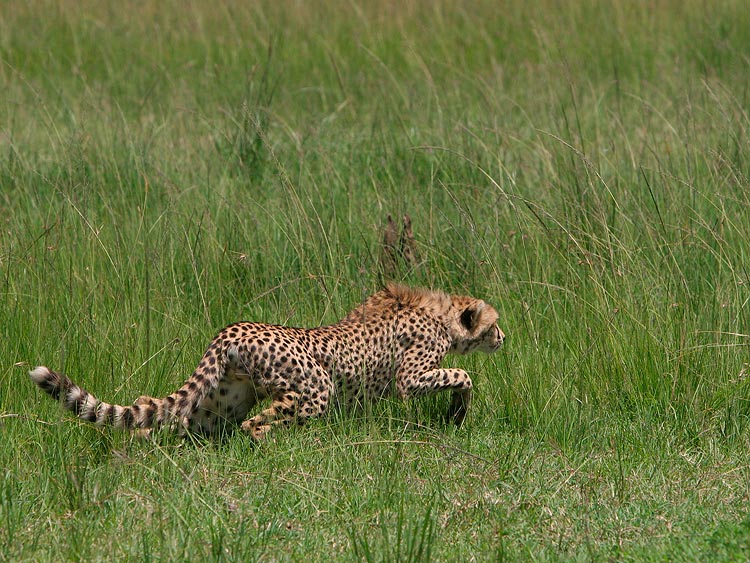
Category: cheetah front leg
[309,399]
[435,381]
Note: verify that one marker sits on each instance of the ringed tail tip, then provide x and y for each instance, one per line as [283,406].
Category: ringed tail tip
[39,374]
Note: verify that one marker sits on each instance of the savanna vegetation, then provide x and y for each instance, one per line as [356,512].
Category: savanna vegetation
[167,168]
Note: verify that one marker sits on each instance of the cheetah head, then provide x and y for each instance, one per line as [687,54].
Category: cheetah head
[473,326]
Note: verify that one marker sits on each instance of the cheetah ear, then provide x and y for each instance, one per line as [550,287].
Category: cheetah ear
[470,316]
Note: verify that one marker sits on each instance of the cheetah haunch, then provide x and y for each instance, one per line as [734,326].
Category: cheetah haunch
[392,344]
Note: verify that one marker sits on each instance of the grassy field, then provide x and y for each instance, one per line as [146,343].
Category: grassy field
[168,167]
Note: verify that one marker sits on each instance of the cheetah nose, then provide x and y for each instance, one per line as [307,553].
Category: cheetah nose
[500,335]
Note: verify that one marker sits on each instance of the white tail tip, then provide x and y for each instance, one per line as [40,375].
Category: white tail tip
[39,374]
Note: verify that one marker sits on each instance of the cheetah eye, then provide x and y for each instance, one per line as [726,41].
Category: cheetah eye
[491,332]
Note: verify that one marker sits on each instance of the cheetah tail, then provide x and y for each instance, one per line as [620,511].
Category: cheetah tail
[87,407]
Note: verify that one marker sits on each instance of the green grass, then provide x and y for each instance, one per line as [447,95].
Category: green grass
[167,168]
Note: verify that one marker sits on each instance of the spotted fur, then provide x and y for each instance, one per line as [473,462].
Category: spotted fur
[392,344]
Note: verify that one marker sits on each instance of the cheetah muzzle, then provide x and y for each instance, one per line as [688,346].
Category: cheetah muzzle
[391,344]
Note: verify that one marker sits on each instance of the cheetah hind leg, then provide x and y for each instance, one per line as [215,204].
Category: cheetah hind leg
[307,400]
[285,409]
[281,412]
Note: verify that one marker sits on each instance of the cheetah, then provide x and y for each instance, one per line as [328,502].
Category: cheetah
[391,344]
